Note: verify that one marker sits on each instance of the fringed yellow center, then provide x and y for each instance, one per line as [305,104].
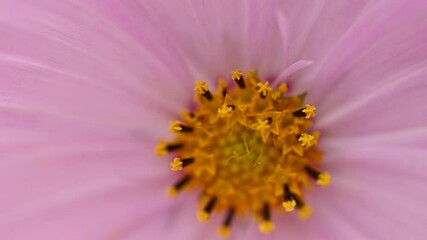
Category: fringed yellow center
[248,149]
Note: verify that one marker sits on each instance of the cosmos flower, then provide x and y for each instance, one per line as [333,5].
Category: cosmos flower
[88,89]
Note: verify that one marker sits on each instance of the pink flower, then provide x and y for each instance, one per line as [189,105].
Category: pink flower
[87,88]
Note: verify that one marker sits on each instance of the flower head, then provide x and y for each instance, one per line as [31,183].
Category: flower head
[244,160]
[88,88]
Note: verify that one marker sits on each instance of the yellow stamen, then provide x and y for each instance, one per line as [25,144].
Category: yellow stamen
[289,205]
[175,126]
[309,111]
[203,216]
[252,76]
[171,192]
[307,140]
[237,74]
[225,111]
[176,164]
[305,212]
[224,231]
[201,87]
[324,179]
[283,88]
[161,149]
[266,227]
[262,124]
[263,89]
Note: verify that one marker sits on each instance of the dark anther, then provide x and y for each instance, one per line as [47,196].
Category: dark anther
[210,205]
[208,95]
[299,202]
[185,128]
[224,92]
[266,212]
[173,147]
[241,82]
[263,96]
[233,107]
[186,161]
[269,120]
[299,113]
[182,182]
[287,195]
[312,172]
[229,218]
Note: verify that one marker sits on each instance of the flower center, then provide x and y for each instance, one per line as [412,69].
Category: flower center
[248,149]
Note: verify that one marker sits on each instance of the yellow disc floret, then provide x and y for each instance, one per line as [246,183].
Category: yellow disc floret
[247,149]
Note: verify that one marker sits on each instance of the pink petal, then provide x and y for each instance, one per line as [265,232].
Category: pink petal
[315,28]
[393,105]
[378,185]
[68,51]
[386,35]
[176,220]
[376,85]
[291,69]
[212,37]
[79,118]
[93,211]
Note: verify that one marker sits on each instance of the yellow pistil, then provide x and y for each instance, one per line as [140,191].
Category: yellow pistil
[309,111]
[262,124]
[247,149]
[201,87]
[236,75]
[266,226]
[283,88]
[324,179]
[305,212]
[176,164]
[161,149]
[225,111]
[203,216]
[307,140]
[263,89]
[224,231]
[171,192]
[175,126]
[289,205]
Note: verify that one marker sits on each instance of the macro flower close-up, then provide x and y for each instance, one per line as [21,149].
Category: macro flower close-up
[213,119]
